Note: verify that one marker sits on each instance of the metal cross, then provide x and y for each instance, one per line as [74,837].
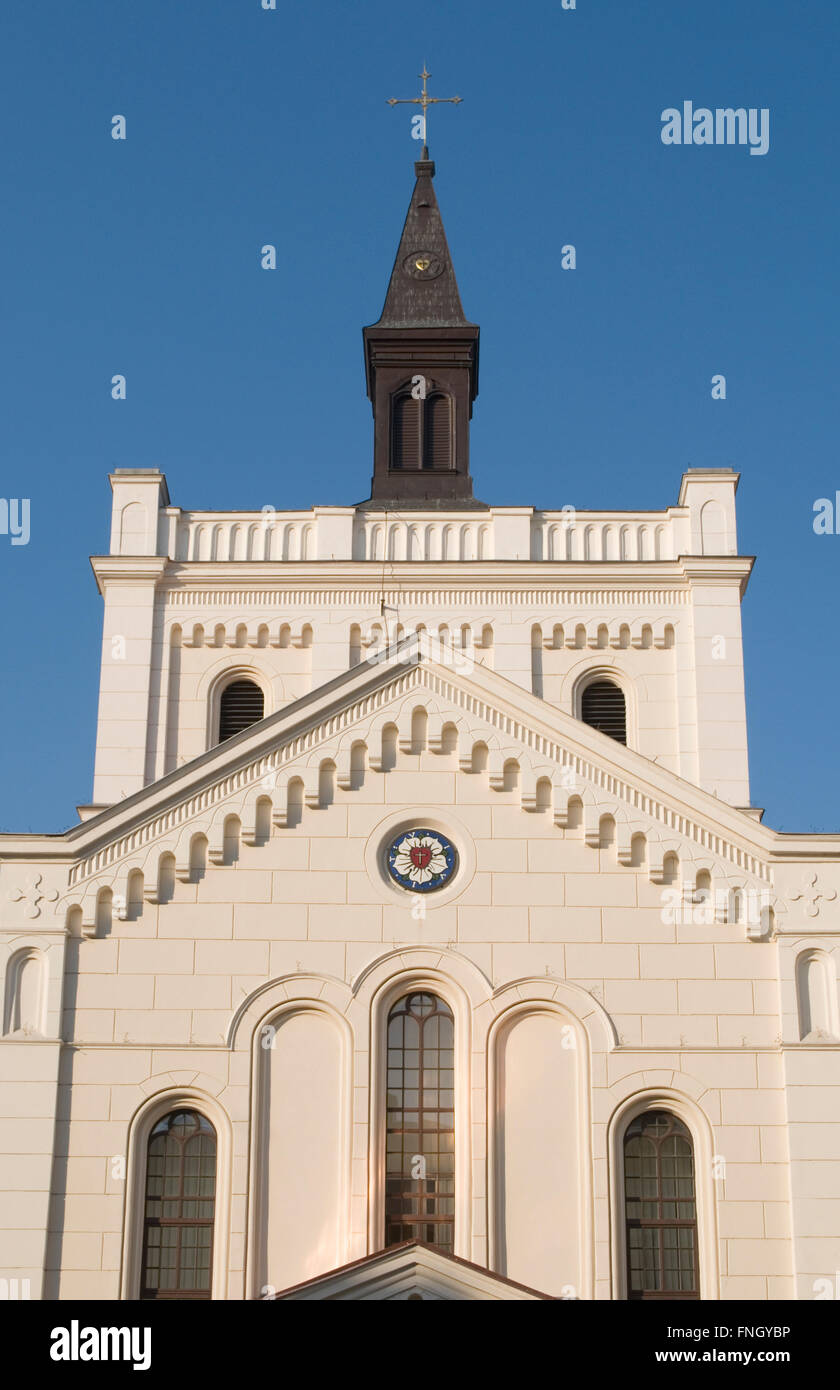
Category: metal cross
[423,100]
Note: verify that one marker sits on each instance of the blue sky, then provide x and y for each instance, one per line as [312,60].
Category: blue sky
[248,126]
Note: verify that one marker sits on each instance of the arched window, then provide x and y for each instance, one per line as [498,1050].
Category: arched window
[437,432]
[602,706]
[179,1210]
[660,1208]
[405,452]
[420,1123]
[421,431]
[241,705]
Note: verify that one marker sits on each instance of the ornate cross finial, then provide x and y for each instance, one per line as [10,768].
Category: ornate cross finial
[423,100]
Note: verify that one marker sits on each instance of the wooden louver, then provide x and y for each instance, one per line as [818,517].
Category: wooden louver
[241,705]
[437,440]
[421,432]
[406,440]
[603,708]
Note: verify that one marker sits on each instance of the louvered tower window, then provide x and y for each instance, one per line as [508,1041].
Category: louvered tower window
[179,1208]
[405,452]
[437,433]
[241,705]
[421,432]
[660,1209]
[602,707]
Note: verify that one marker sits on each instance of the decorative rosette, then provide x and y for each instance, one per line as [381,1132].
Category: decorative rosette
[421,860]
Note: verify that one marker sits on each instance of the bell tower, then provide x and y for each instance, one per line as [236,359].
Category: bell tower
[421,367]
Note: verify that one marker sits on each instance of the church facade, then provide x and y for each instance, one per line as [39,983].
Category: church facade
[421,939]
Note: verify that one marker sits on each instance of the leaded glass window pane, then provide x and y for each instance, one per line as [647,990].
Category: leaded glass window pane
[420,1123]
[179,1208]
[660,1208]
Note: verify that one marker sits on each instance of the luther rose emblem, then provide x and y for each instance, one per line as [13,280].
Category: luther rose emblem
[421,860]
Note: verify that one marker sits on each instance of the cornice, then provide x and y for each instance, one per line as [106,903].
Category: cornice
[558,582]
[805,847]
[719,570]
[481,598]
[128,569]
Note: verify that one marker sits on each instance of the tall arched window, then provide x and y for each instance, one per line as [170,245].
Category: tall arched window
[660,1207]
[420,1123]
[179,1211]
[602,706]
[241,705]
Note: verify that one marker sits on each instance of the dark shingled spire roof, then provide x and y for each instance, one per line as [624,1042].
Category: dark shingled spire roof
[416,302]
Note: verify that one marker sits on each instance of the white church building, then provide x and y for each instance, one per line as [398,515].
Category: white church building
[420,939]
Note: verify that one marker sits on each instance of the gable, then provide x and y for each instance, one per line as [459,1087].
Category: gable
[363,724]
[410,1271]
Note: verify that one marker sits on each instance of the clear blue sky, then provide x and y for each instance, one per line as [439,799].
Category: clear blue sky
[248,126]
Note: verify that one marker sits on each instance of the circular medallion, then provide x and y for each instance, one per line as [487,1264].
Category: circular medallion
[423,265]
[421,860]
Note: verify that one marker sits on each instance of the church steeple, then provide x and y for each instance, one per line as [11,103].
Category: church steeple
[423,292]
[421,363]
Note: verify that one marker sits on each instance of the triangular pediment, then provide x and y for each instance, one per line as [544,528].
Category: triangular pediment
[411,1271]
[566,768]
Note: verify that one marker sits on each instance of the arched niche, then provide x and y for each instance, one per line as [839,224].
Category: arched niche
[301,1155]
[713,530]
[816,996]
[133,529]
[25,1001]
[540,1202]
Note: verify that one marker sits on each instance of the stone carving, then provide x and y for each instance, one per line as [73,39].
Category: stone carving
[32,896]
[811,896]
